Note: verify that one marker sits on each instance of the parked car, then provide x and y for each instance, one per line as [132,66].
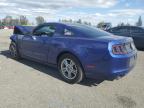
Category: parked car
[1,27]
[137,33]
[10,27]
[78,51]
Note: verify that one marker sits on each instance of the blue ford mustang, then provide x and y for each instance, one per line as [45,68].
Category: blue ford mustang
[78,51]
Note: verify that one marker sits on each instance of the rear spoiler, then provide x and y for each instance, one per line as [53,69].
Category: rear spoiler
[22,30]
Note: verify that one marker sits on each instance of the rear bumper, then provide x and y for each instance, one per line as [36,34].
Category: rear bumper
[112,67]
[119,73]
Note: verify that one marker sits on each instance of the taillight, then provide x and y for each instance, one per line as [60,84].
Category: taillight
[118,49]
[124,48]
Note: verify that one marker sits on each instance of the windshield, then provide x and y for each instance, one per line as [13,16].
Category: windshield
[89,31]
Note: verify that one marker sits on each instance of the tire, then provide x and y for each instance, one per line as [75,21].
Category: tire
[14,51]
[73,72]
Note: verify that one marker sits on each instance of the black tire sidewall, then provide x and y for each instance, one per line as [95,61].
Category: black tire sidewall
[80,73]
[15,46]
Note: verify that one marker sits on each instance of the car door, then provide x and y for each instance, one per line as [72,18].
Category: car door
[36,46]
[137,34]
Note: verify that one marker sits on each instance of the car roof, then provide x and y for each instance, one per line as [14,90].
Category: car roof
[66,24]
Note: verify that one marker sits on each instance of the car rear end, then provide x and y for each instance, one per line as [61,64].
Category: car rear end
[123,55]
[117,59]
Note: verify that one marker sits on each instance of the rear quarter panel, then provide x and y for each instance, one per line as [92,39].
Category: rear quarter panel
[86,50]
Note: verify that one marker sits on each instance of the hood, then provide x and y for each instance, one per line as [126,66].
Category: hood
[23,29]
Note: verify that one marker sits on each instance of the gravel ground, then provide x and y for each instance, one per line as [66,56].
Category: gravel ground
[26,84]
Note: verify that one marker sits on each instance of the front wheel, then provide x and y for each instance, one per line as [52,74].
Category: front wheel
[70,69]
[14,51]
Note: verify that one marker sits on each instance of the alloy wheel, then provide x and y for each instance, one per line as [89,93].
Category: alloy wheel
[69,68]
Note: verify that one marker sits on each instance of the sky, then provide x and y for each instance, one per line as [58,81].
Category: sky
[94,11]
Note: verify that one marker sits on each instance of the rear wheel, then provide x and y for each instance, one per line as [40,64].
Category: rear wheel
[70,69]
[14,51]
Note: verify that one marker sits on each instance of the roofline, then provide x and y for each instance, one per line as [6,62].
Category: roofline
[63,23]
[127,26]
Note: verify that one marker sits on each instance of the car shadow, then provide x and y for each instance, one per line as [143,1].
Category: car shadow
[50,70]
[140,49]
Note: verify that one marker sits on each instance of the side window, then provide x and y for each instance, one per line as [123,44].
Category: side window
[122,30]
[68,32]
[45,30]
[113,30]
[136,30]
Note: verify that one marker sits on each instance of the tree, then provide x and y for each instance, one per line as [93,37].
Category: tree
[139,23]
[86,23]
[60,20]
[79,21]
[23,20]
[127,24]
[100,24]
[15,22]
[121,24]
[7,20]
[70,20]
[40,20]
[89,24]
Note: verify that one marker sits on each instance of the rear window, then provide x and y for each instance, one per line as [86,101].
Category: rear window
[91,32]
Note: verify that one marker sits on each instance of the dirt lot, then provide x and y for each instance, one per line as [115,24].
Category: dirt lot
[26,84]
